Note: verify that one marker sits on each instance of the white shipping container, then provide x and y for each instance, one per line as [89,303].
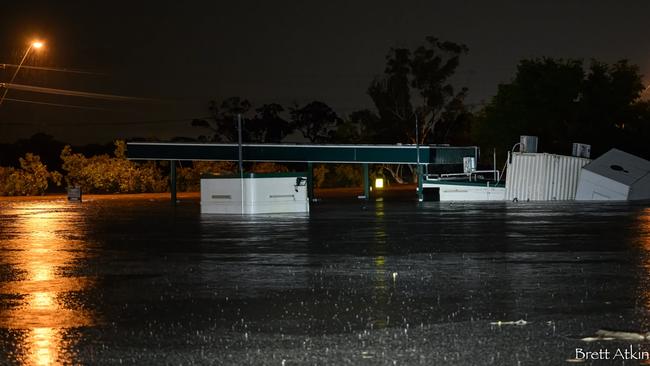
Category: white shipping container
[615,175]
[542,177]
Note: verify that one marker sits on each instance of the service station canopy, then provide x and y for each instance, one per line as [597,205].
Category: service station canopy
[373,154]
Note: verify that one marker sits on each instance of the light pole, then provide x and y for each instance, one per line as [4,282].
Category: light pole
[417,152]
[34,44]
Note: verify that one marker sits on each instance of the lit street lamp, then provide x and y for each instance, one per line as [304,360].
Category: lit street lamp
[34,44]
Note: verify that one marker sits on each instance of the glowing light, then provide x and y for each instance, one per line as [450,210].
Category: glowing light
[37,44]
[379,183]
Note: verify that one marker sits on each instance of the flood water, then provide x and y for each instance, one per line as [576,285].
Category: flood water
[123,281]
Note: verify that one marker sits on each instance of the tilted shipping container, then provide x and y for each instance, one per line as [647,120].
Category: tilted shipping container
[542,176]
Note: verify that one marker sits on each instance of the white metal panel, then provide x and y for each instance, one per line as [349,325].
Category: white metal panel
[469,192]
[543,177]
[260,195]
[641,189]
[563,180]
[615,175]
[620,166]
[221,196]
[595,187]
[524,176]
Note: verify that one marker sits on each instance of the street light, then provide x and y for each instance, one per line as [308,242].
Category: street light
[35,44]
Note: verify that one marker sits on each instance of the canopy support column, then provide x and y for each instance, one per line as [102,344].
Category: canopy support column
[366,181]
[172,178]
[310,182]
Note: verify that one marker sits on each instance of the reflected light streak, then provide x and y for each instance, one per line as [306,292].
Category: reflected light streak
[36,252]
[42,300]
[44,341]
[380,285]
[644,237]
[41,273]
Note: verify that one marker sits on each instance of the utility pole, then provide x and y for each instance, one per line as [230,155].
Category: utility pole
[417,152]
[239,135]
[241,161]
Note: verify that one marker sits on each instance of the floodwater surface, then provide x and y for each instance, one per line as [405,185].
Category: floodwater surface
[123,281]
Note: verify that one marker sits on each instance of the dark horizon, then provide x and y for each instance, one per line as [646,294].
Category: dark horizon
[282,52]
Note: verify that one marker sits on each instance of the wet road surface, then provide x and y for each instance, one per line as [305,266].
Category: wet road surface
[123,281]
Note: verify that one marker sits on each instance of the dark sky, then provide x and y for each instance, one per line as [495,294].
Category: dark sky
[187,53]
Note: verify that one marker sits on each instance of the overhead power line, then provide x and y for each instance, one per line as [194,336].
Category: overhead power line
[106,123]
[56,104]
[75,93]
[56,69]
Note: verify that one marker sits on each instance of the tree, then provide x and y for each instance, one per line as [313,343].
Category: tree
[268,125]
[355,128]
[222,121]
[561,103]
[610,112]
[316,121]
[417,84]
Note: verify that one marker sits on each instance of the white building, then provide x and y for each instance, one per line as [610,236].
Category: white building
[616,175]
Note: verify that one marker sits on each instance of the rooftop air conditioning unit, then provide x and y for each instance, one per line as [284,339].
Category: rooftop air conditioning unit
[469,164]
[528,144]
[581,150]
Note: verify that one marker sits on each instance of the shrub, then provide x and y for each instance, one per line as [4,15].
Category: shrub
[338,175]
[320,171]
[266,167]
[188,179]
[30,180]
[106,174]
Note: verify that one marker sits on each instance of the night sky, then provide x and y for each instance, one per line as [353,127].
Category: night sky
[184,54]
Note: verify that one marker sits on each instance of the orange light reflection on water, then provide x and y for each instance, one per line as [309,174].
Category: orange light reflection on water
[37,248]
[43,350]
[643,233]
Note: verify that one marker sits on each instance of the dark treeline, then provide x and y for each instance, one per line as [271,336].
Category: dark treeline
[566,101]
[561,101]
[416,84]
